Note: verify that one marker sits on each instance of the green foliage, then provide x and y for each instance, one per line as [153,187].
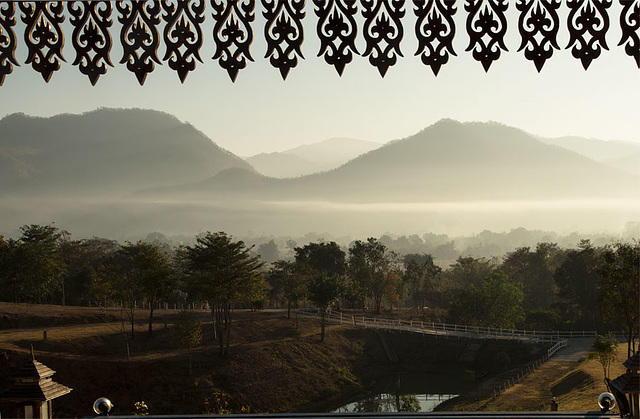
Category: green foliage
[36,267]
[372,267]
[187,331]
[419,275]
[409,403]
[534,271]
[286,283]
[223,272]
[603,350]
[619,267]
[578,287]
[220,403]
[497,304]
[470,271]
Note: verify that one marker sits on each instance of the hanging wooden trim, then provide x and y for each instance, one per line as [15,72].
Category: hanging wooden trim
[91,38]
[139,36]
[7,39]
[630,25]
[284,26]
[43,35]
[337,30]
[435,30]
[538,26]
[383,32]
[486,26]
[182,34]
[232,34]
[588,23]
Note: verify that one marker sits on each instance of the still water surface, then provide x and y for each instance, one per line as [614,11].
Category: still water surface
[416,392]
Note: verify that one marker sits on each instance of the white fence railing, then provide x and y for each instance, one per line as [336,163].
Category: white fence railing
[449,330]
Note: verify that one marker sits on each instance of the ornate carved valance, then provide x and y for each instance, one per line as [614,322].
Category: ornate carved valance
[175,27]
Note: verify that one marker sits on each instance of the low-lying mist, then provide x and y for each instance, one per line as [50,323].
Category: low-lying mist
[132,219]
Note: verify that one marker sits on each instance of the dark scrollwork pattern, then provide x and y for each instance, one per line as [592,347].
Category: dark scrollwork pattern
[588,23]
[43,35]
[630,25]
[284,25]
[183,35]
[435,30]
[383,32]
[7,39]
[486,25]
[232,34]
[337,31]
[91,38]
[139,36]
[538,25]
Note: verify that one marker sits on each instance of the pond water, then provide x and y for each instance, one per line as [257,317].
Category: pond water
[412,392]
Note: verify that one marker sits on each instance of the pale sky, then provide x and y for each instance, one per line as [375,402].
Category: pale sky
[262,113]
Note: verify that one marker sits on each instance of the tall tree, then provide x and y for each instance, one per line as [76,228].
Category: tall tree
[286,283]
[188,333]
[323,266]
[370,264]
[224,273]
[619,267]
[497,303]
[603,350]
[578,286]
[38,263]
[534,270]
[419,275]
[152,271]
[470,271]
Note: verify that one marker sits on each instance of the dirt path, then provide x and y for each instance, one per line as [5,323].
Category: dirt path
[575,350]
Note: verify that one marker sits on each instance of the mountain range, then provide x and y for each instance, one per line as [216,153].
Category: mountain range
[145,170]
[107,151]
[448,161]
[310,158]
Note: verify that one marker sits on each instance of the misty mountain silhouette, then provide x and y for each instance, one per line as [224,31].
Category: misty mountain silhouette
[105,151]
[311,158]
[446,161]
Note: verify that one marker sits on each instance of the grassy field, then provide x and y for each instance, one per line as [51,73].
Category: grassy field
[575,386]
[274,365]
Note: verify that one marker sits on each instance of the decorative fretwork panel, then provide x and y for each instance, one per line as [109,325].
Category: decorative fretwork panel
[43,35]
[232,34]
[486,26]
[347,30]
[284,33]
[91,38]
[7,39]
[139,36]
[538,26]
[337,30]
[383,32]
[183,34]
[435,30]
[630,25]
[588,25]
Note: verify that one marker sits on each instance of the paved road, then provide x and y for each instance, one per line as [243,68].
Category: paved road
[575,350]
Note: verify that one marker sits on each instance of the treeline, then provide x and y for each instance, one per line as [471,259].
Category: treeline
[543,288]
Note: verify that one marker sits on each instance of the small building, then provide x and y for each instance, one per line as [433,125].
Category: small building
[626,388]
[32,392]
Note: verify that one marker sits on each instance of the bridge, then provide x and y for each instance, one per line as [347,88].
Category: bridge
[557,339]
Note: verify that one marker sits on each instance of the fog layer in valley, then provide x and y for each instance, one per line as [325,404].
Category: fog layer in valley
[154,173]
